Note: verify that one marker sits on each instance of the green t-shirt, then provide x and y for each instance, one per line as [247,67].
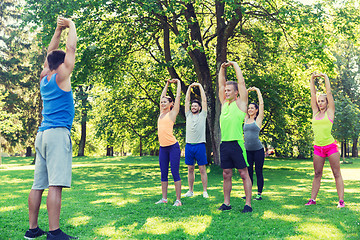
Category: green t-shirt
[231,122]
[322,130]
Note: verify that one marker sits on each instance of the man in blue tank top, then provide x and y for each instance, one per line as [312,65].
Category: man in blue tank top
[53,143]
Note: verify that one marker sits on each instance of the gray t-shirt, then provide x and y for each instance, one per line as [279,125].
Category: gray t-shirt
[251,137]
[195,127]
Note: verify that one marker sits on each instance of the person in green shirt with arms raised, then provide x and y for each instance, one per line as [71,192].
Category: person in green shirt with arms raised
[232,149]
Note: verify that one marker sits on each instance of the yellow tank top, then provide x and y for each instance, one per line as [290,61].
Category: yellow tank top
[165,131]
[322,130]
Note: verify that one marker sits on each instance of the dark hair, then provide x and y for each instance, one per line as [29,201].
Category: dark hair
[170,101]
[257,108]
[235,84]
[55,59]
[196,101]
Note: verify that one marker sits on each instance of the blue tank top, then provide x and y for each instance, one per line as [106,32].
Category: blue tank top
[58,105]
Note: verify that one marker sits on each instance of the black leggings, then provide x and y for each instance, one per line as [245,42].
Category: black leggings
[258,158]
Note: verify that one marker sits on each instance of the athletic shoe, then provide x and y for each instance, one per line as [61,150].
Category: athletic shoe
[246,209]
[258,197]
[188,194]
[205,195]
[177,203]
[61,236]
[224,207]
[32,235]
[341,204]
[310,202]
[161,201]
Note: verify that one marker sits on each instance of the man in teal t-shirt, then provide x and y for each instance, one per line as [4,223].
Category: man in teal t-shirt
[232,149]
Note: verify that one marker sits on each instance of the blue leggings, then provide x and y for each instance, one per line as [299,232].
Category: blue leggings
[170,154]
[258,158]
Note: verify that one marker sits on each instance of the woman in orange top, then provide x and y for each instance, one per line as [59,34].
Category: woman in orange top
[169,147]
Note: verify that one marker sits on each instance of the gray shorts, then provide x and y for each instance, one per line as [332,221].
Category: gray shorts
[53,158]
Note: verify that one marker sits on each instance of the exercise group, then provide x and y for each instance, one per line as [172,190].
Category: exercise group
[240,126]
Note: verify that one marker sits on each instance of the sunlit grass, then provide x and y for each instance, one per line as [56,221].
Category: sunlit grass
[113,198]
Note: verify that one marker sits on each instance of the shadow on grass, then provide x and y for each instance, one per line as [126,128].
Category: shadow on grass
[114,199]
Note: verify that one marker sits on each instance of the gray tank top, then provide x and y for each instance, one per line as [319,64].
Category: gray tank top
[251,137]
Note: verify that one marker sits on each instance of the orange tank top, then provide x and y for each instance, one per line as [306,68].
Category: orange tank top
[165,131]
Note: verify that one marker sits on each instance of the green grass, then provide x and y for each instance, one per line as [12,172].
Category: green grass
[113,198]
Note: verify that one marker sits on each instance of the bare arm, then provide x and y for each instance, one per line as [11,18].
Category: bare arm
[203,96]
[174,112]
[330,98]
[242,88]
[54,44]
[314,104]
[69,61]
[260,117]
[187,99]
[164,92]
[222,83]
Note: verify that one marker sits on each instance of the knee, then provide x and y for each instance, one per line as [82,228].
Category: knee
[202,170]
[337,174]
[318,174]
[191,169]
[227,175]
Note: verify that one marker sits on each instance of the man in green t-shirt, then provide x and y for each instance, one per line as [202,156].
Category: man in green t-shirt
[232,149]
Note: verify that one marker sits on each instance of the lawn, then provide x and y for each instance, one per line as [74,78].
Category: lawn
[113,198]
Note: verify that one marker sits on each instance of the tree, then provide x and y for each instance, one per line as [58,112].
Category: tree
[277,45]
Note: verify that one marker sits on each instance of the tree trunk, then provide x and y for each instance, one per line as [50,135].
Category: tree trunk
[109,151]
[140,146]
[82,142]
[354,148]
[33,162]
[28,152]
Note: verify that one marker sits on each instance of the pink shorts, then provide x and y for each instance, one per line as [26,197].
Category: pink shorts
[326,151]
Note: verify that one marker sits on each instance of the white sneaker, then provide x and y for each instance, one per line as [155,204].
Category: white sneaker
[188,194]
[205,195]
[161,201]
[177,203]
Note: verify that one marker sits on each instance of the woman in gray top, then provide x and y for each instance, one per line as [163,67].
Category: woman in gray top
[254,148]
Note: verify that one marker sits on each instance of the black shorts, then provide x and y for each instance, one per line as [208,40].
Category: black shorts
[231,155]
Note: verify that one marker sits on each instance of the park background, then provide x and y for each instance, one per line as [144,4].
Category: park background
[126,50]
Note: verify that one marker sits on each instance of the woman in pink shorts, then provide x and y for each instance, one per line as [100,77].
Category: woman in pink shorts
[325,145]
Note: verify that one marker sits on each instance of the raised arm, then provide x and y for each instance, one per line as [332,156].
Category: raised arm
[54,44]
[203,97]
[164,91]
[174,112]
[222,82]
[187,98]
[242,88]
[260,117]
[330,98]
[69,61]
[314,105]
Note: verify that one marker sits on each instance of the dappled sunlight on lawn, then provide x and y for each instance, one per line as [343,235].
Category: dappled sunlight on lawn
[319,230]
[145,191]
[10,181]
[113,232]
[9,208]
[291,206]
[192,225]
[289,218]
[78,221]
[116,201]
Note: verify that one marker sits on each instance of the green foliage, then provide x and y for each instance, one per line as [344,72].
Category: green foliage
[20,59]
